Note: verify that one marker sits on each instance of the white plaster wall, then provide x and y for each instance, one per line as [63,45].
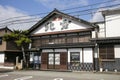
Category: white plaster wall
[113,25]
[75,50]
[88,55]
[101,32]
[60,50]
[2,56]
[93,34]
[117,51]
[72,26]
[5,67]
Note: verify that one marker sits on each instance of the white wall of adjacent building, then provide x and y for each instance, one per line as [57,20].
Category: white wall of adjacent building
[109,28]
[113,25]
[101,31]
[2,56]
[117,51]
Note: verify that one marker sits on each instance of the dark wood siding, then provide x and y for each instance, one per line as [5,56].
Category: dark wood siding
[12,46]
[44,60]
[63,60]
[61,39]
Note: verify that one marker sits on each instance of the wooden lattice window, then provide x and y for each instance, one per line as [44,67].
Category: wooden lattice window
[106,52]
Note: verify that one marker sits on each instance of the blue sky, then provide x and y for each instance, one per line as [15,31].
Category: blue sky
[15,8]
[40,6]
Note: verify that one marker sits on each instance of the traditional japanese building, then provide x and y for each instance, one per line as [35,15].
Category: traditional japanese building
[107,39]
[8,51]
[62,42]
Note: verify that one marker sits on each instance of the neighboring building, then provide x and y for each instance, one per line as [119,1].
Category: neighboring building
[62,42]
[8,51]
[107,41]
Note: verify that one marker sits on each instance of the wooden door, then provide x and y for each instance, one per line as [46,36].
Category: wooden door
[44,60]
[51,61]
[63,60]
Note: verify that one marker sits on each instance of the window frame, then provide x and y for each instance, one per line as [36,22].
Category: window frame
[74,62]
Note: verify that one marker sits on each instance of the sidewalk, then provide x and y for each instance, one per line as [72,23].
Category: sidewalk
[69,71]
[97,72]
[2,70]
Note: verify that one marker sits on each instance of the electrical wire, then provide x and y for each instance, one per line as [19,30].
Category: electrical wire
[26,20]
[61,10]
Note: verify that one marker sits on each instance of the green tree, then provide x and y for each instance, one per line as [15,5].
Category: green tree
[21,39]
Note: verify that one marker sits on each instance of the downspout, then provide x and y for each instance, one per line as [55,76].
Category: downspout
[96,50]
[104,24]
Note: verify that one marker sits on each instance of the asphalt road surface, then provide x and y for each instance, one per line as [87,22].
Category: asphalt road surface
[50,75]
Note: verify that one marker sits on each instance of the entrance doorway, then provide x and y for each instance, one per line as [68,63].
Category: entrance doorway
[53,60]
[35,60]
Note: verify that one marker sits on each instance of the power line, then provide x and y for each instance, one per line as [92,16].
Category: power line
[89,5]
[67,13]
[61,10]
[93,9]
[36,20]
[32,20]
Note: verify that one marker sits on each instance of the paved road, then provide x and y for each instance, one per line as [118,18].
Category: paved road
[50,75]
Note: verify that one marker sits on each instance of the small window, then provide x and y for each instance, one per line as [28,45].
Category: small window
[75,58]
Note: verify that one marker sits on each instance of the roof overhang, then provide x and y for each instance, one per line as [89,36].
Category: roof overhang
[106,40]
[64,32]
[68,45]
[111,11]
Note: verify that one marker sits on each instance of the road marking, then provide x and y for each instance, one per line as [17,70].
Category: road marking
[58,79]
[24,78]
[3,75]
